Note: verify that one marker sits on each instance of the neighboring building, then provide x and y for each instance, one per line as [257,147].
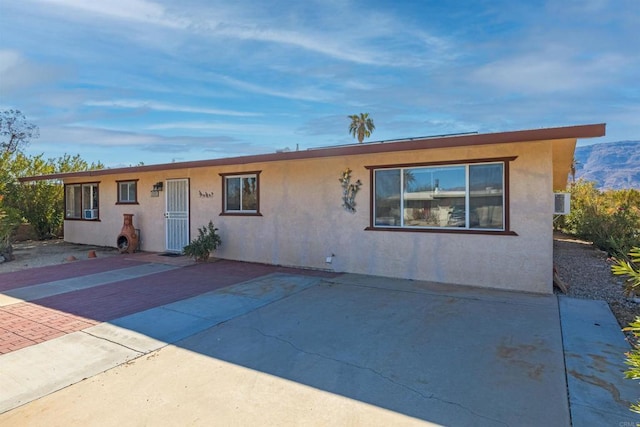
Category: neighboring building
[469,209]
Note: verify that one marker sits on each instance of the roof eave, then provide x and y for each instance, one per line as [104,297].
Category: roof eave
[572,132]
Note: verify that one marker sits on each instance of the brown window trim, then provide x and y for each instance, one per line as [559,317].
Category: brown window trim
[240,214]
[66,218]
[118,202]
[224,193]
[507,211]
[443,231]
[444,162]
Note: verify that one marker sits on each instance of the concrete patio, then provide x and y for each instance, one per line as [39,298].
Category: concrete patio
[229,343]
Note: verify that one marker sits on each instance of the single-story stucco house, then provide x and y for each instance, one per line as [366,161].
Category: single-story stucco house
[472,209]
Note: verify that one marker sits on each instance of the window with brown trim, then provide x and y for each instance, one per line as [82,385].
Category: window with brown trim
[81,201]
[470,196]
[127,192]
[241,193]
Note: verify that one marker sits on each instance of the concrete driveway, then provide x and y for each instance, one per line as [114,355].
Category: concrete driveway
[269,346]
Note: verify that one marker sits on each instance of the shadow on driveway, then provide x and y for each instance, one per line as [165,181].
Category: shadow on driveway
[443,354]
[464,358]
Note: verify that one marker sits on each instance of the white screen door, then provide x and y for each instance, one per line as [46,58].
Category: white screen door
[177,214]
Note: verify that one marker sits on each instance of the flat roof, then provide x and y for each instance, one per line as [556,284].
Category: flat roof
[459,140]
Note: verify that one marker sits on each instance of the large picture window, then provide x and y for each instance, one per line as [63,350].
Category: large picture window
[81,201]
[469,196]
[241,193]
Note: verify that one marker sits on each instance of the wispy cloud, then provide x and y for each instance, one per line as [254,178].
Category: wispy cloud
[18,73]
[358,41]
[306,41]
[324,125]
[232,128]
[344,46]
[308,93]
[161,106]
[130,10]
[63,139]
[548,72]
[220,77]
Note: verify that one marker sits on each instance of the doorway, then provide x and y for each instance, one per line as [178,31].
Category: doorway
[177,214]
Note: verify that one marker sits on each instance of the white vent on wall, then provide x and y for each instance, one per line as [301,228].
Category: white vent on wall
[561,203]
[91,214]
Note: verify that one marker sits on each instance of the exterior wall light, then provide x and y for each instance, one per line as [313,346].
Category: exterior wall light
[157,188]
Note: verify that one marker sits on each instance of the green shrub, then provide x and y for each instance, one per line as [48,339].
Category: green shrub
[9,221]
[208,241]
[633,358]
[40,202]
[610,219]
[631,269]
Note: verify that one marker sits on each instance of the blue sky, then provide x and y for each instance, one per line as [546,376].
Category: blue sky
[129,81]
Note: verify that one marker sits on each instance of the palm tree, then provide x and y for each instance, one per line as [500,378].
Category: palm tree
[361,126]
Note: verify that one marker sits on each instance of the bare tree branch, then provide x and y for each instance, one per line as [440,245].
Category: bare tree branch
[15,131]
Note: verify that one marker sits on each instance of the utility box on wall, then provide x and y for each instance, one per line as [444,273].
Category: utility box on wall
[561,203]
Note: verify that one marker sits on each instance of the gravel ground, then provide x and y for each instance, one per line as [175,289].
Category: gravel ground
[32,253]
[587,272]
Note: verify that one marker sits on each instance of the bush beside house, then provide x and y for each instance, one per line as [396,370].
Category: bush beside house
[207,241]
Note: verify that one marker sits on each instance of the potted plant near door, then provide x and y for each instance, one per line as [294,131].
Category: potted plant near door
[207,241]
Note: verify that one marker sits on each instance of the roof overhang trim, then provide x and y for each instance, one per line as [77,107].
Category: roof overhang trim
[465,140]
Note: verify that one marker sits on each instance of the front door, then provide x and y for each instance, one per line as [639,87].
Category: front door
[177,214]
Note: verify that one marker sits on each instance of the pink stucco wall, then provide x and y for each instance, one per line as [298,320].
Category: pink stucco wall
[303,222]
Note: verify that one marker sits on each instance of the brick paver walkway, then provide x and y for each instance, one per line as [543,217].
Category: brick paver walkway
[35,276]
[24,324]
[28,323]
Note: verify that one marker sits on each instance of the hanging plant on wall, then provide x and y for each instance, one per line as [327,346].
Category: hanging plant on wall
[349,191]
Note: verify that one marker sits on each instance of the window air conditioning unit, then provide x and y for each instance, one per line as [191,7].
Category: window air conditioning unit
[91,214]
[561,203]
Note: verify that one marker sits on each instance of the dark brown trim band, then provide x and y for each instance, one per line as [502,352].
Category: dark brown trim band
[240,173]
[444,162]
[421,143]
[444,230]
[240,214]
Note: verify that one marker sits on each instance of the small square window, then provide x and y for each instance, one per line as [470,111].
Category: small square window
[241,194]
[127,191]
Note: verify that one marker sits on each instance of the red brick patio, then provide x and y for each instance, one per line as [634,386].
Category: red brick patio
[24,324]
[28,323]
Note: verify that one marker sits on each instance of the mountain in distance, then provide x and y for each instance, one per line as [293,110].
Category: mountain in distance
[612,165]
